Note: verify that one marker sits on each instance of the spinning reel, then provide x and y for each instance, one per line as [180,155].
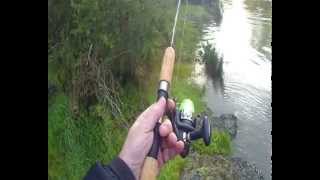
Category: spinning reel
[184,126]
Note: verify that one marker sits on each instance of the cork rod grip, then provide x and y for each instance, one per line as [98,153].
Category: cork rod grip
[150,169]
[167,65]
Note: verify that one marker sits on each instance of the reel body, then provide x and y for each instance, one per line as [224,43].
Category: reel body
[184,126]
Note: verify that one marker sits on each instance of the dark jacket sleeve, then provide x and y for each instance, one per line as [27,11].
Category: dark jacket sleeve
[116,170]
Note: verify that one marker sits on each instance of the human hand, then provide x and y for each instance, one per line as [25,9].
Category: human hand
[140,137]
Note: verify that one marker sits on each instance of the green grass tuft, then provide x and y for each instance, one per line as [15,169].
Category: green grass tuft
[220,144]
[172,169]
[75,145]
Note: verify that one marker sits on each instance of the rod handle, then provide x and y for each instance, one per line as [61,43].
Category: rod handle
[150,169]
[167,65]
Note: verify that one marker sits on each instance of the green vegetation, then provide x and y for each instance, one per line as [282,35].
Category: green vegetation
[172,169]
[74,145]
[104,60]
[220,144]
[214,64]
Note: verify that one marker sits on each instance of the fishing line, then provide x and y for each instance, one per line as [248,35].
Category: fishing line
[175,23]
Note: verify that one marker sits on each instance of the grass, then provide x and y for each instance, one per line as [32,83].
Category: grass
[220,144]
[74,145]
[172,169]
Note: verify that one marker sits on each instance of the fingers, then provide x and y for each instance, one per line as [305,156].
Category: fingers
[166,132]
[160,159]
[165,155]
[179,146]
[171,140]
[169,153]
[169,137]
[171,105]
[152,114]
[165,128]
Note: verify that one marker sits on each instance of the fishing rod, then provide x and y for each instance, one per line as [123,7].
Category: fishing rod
[183,122]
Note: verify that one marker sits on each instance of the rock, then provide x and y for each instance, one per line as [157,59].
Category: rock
[229,123]
[204,167]
[245,171]
[224,122]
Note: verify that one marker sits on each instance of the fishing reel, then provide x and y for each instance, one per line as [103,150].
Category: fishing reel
[184,126]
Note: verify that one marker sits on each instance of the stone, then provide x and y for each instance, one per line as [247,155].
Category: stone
[204,167]
[225,122]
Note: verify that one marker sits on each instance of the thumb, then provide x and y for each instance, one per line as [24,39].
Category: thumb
[152,114]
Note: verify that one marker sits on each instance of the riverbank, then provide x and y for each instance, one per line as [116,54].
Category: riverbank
[245,89]
[201,167]
[77,142]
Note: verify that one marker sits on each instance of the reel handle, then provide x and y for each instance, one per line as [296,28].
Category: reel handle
[204,132]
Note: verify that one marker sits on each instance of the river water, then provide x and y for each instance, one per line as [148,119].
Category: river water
[243,39]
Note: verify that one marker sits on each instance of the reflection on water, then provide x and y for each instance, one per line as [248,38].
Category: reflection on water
[243,39]
[260,13]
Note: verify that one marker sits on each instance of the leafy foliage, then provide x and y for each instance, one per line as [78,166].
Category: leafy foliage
[214,64]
